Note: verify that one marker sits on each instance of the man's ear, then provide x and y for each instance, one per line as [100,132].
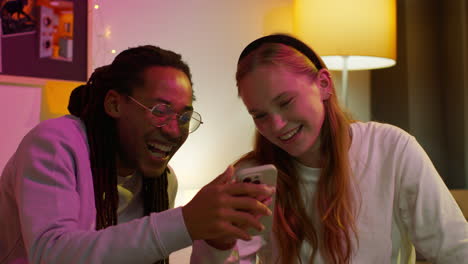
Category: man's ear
[324,83]
[112,103]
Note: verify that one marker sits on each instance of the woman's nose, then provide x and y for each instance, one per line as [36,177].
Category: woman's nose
[277,122]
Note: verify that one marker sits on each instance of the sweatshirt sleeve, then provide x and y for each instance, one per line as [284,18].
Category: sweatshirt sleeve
[433,219]
[49,203]
[244,252]
[204,253]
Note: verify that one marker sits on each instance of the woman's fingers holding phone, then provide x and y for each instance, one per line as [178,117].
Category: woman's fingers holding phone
[250,205]
[251,190]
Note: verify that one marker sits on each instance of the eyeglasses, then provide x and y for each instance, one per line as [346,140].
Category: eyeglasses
[163,114]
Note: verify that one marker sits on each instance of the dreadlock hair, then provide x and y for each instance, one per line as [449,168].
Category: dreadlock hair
[334,201]
[87,102]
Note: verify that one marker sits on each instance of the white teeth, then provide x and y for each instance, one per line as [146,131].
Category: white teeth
[290,134]
[158,154]
[161,147]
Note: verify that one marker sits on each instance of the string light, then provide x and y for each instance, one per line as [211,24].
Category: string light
[107,32]
[102,53]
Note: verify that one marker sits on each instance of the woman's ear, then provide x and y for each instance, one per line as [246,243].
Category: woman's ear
[112,103]
[324,83]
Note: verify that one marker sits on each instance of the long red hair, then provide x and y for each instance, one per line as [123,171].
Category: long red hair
[334,200]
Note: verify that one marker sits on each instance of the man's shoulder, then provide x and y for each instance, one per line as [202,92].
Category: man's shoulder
[64,125]
[62,138]
[68,130]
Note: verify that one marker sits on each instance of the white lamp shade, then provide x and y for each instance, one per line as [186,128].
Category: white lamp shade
[362,30]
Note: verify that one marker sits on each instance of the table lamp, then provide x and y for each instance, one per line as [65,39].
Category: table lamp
[348,34]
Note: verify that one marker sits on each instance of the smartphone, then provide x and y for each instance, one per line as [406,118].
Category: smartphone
[264,174]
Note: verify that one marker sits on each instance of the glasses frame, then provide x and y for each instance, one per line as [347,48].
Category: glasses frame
[151,109]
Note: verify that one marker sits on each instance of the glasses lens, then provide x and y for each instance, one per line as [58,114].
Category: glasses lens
[161,114]
[195,121]
[184,119]
[162,110]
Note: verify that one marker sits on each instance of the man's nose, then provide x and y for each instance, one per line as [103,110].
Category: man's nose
[172,128]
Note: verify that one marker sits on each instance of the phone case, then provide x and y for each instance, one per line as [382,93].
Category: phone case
[264,174]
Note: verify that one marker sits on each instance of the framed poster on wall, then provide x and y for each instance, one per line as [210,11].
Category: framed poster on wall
[18,17]
[46,39]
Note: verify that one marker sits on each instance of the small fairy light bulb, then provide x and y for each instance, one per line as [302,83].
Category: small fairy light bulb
[96,6]
[107,32]
[113,51]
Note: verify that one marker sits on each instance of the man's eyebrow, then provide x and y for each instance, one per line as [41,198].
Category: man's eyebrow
[188,108]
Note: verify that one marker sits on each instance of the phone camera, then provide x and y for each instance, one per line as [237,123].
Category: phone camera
[249,180]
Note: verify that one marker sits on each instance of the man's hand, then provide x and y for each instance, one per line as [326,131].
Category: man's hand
[222,211]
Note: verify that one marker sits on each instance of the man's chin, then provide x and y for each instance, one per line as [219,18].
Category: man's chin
[153,171]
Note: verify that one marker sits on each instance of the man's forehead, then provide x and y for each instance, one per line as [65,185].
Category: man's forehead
[164,76]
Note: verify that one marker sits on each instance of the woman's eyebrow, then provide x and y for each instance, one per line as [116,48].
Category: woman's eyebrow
[280,96]
[275,99]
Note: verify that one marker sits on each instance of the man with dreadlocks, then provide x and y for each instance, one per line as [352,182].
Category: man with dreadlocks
[95,186]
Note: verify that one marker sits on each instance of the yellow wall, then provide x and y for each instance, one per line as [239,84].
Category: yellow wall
[55,95]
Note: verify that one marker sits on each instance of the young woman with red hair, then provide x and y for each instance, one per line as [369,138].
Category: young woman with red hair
[347,192]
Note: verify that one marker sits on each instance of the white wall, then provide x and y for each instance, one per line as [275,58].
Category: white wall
[19,113]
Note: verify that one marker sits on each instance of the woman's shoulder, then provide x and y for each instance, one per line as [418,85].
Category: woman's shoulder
[246,161]
[245,164]
[377,130]
[375,136]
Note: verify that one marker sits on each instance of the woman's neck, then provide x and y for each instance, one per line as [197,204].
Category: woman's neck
[311,158]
